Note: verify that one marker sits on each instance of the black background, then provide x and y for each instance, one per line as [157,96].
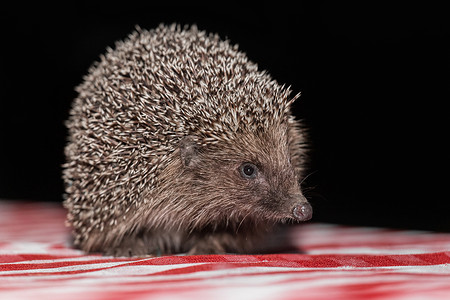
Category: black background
[373,77]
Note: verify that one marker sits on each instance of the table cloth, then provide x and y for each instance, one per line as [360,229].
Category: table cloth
[338,262]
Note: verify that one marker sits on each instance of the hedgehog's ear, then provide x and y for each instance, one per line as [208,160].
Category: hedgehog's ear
[188,151]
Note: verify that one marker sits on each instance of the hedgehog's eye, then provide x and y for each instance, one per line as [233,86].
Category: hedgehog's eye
[248,170]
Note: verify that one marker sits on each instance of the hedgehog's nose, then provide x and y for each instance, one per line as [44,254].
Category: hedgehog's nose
[302,211]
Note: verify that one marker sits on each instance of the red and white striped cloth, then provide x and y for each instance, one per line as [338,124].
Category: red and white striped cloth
[341,263]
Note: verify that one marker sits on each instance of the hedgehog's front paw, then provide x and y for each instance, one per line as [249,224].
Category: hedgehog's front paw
[208,245]
[206,249]
[128,248]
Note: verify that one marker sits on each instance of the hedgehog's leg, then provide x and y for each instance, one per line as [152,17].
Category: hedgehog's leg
[274,241]
[218,243]
[206,245]
[128,246]
[148,243]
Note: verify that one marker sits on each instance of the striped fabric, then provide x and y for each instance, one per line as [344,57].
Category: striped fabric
[340,263]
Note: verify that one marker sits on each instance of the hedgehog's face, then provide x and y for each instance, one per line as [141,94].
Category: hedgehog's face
[274,190]
[252,175]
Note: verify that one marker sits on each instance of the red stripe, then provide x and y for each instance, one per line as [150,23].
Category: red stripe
[276,260]
[163,286]
[295,261]
[54,265]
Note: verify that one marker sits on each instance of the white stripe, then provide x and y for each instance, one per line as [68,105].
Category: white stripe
[238,287]
[116,269]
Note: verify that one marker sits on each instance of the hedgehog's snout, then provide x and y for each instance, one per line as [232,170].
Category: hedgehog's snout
[302,211]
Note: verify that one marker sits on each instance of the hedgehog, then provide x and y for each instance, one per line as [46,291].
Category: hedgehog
[178,143]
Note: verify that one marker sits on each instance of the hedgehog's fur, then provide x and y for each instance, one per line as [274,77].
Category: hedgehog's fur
[157,135]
